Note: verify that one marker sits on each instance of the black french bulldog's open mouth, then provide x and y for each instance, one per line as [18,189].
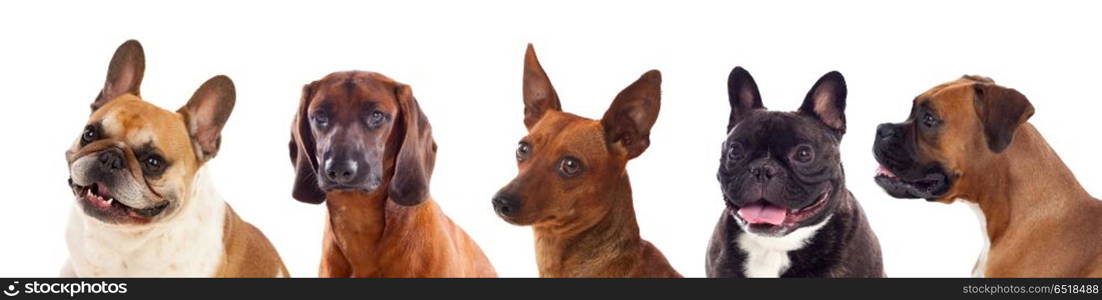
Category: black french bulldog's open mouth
[97,200]
[766,217]
[931,186]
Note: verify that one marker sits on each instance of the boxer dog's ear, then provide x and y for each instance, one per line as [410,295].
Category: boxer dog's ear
[826,101]
[742,93]
[1001,110]
[539,95]
[628,121]
[303,149]
[124,74]
[206,113]
[413,167]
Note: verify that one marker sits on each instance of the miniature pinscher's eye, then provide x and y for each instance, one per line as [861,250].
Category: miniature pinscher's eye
[376,118]
[803,154]
[570,166]
[153,165]
[523,150]
[90,135]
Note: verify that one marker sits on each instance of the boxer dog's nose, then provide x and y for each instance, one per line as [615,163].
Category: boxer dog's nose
[887,131]
[341,171]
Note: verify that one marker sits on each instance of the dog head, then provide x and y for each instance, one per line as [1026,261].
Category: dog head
[569,164]
[780,171]
[356,132]
[951,127]
[135,163]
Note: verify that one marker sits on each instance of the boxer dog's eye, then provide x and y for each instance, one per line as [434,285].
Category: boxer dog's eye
[523,149]
[570,166]
[929,120]
[376,119]
[90,135]
[803,154]
[153,165]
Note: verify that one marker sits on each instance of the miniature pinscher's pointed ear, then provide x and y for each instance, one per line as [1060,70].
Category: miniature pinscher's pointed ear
[539,95]
[628,121]
[206,114]
[124,74]
[1001,111]
[303,150]
[413,167]
[742,93]
[826,101]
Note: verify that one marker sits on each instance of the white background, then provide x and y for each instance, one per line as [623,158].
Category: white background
[464,61]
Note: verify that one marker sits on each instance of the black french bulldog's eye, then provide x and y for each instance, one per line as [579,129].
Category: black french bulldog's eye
[376,118]
[734,151]
[90,134]
[153,165]
[523,149]
[803,154]
[570,166]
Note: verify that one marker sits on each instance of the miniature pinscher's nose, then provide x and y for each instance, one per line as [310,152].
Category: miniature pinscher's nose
[341,171]
[506,204]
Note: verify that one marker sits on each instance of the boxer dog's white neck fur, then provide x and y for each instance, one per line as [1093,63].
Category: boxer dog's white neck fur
[188,245]
[981,262]
[768,256]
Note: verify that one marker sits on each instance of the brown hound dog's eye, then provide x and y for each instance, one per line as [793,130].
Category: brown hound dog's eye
[570,166]
[523,149]
[376,118]
[321,120]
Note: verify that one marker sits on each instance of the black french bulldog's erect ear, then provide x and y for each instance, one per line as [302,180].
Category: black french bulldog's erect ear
[539,95]
[826,101]
[207,112]
[1001,111]
[124,74]
[303,149]
[742,92]
[628,121]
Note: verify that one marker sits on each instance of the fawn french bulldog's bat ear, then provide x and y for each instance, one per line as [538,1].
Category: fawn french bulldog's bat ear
[539,95]
[207,112]
[628,121]
[1001,111]
[124,74]
[413,166]
[303,151]
[826,101]
[742,93]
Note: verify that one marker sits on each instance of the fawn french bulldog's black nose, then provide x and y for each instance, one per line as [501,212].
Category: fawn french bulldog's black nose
[887,131]
[341,171]
[111,160]
[506,205]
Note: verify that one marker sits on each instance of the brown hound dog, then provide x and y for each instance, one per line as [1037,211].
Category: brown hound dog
[573,187]
[361,141]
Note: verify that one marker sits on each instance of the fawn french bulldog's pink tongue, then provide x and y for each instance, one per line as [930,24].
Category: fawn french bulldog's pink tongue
[762,212]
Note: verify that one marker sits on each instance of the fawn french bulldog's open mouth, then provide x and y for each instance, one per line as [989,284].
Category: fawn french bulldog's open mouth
[97,201]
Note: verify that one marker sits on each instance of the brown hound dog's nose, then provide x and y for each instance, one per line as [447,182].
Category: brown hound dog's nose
[341,172]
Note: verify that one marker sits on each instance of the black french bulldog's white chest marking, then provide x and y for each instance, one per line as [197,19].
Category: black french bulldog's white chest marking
[768,256]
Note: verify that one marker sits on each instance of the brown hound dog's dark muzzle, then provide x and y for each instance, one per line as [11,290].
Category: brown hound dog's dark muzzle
[361,131]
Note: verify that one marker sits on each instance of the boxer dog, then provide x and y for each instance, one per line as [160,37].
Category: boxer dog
[969,139]
[572,186]
[788,212]
[144,203]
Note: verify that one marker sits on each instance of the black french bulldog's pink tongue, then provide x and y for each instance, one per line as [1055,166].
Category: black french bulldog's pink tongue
[761,212]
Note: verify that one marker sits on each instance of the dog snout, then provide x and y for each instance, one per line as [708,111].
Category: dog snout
[506,204]
[111,160]
[763,171]
[343,171]
[888,131]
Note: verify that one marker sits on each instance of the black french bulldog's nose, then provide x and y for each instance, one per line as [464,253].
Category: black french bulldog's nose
[505,204]
[341,171]
[887,131]
[111,160]
[764,172]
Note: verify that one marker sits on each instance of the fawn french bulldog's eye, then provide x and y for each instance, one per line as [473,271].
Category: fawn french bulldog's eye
[570,166]
[153,165]
[523,149]
[803,154]
[90,135]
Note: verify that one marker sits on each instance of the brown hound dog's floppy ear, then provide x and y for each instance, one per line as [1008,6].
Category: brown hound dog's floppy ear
[628,121]
[539,95]
[1001,111]
[207,112]
[303,151]
[826,101]
[413,166]
[743,95]
[124,74]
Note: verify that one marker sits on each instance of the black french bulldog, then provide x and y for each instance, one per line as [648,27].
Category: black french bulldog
[788,212]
